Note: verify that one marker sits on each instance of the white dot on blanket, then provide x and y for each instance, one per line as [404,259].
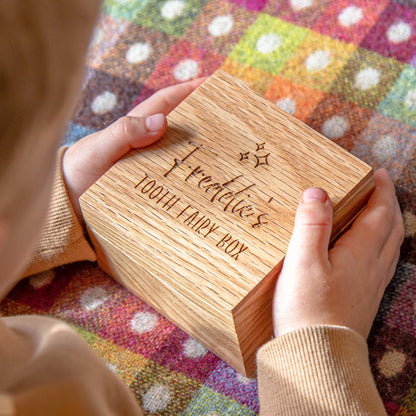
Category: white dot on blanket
[221,25]
[93,297]
[143,322]
[98,36]
[287,104]
[193,349]
[242,379]
[41,279]
[268,43]
[138,52]
[335,127]
[157,398]
[186,70]
[104,103]
[410,100]
[385,147]
[300,4]
[112,367]
[399,32]
[367,78]
[350,16]
[318,60]
[409,225]
[392,363]
[172,9]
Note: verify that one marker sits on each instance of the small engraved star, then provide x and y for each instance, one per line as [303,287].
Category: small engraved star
[244,156]
[260,146]
[262,160]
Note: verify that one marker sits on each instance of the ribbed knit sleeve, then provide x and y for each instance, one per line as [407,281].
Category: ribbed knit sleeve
[62,239]
[47,369]
[321,370]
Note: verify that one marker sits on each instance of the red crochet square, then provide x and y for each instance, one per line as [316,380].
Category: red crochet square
[183,62]
[348,21]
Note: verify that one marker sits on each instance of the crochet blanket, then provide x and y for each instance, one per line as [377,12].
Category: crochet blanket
[347,68]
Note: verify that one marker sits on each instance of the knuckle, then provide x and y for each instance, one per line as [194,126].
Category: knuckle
[311,217]
[166,97]
[122,127]
[386,213]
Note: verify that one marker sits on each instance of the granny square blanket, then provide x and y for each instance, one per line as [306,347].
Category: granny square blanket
[347,68]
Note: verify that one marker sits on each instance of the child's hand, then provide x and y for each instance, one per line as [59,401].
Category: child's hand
[345,285]
[87,160]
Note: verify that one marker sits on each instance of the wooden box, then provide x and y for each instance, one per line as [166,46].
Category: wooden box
[197,225]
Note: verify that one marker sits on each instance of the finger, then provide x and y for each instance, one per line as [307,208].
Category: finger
[392,269]
[374,225]
[391,248]
[165,100]
[313,226]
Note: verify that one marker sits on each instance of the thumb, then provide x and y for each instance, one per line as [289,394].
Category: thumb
[88,159]
[313,226]
[131,133]
[96,153]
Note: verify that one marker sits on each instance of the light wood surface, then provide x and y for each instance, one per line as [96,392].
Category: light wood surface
[197,225]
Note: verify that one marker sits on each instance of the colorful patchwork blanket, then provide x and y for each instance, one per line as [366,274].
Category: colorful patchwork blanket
[347,68]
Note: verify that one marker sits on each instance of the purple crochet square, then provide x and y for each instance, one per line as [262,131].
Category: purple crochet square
[224,379]
[182,354]
[394,34]
[402,314]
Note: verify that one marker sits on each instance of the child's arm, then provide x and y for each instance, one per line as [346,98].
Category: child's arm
[324,306]
[48,369]
[63,240]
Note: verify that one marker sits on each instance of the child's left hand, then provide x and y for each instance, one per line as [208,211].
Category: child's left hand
[87,160]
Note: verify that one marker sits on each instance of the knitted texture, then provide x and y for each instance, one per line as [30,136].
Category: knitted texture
[347,68]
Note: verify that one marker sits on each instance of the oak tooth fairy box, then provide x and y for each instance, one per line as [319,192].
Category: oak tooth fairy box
[197,225]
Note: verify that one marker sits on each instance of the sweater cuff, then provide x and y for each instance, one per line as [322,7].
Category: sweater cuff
[320,370]
[62,239]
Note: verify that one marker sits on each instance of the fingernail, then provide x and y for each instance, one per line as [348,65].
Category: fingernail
[314,194]
[155,122]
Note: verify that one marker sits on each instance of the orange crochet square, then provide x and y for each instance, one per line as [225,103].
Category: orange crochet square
[297,100]
[257,79]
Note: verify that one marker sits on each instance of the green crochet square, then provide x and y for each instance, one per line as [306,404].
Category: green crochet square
[400,104]
[172,16]
[209,402]
[268,44]
[367,78]
[127,10]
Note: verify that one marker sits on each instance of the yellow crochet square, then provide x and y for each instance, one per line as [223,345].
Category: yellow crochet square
[317,61]
[124,363]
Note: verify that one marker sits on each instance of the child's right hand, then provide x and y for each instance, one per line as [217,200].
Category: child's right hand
[86,160]
[342,286]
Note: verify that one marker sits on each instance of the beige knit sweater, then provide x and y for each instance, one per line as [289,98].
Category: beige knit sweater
[47,369]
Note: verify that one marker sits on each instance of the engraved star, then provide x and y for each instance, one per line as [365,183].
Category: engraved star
[262,160]
[260,146]
[244,156]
